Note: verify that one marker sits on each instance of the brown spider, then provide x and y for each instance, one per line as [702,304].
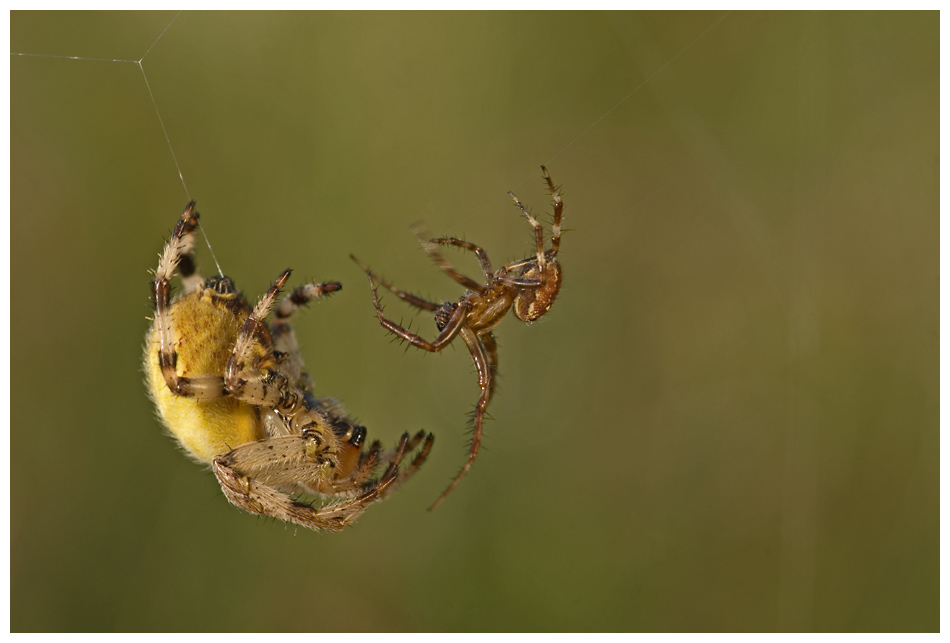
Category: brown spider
[530,286]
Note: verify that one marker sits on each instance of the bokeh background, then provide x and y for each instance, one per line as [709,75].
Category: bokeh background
[729,421]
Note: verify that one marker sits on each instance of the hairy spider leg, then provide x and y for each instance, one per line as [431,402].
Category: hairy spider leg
[416,462]
[178,254]
[285,340]
[538,231]
[558,210]
[258,494]
[449,331]
[484,365]
[452,241]
[368,462]
[542,255]
[430,247]
[408,297]
[485,372]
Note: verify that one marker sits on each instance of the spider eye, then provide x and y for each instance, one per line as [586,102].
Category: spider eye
[221,285]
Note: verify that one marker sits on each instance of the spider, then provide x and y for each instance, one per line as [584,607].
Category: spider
[236,395]
[530,286]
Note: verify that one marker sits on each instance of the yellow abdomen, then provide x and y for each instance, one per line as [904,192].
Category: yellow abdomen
[205,329]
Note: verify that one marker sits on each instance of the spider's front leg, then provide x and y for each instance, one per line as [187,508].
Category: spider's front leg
[449,324]
[251,373]
[178,255]
[179,252]
[408,297]
[285,340]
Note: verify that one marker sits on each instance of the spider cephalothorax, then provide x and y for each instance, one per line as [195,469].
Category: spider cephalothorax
[529,286]
[236,394]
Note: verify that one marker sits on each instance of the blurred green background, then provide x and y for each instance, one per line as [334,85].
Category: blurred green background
[729,421]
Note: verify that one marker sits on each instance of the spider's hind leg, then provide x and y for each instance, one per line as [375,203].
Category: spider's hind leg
[416,462]
[251,481]
[485,357]
[450,325]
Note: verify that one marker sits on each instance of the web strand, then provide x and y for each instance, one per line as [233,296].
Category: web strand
[158,112]
[159,36]
[164,131]
[107,60]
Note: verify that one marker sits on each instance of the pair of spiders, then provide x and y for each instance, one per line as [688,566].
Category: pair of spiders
[235,393]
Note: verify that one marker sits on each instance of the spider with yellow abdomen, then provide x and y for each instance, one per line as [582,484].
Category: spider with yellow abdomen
[236,394]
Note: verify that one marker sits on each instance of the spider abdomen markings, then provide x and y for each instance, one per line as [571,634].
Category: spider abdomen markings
[532,303]
[204,328]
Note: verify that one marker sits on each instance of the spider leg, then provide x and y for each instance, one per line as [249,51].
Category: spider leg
[479,252]
[363,471]
[524,282]
[445,266]
[369,460]
[558,210]
[178,254]
[251,481]
[538,231]
[449,330]
[416,462]
[491,354]
[300,297]
[542,256]
[285,340]
[486,368]
[409,298]
[251,373]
